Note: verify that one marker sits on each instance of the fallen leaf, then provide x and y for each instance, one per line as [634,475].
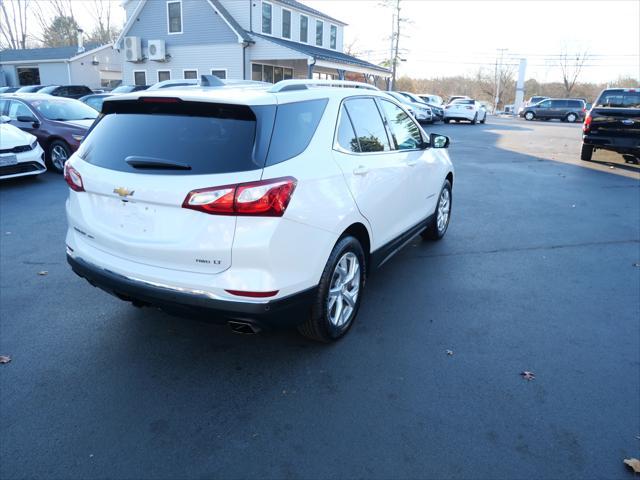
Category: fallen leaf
[634,463]
[43,273]
[528,375]
[449,352]
[5,359]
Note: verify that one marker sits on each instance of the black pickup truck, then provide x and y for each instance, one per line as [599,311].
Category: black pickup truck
[613,124]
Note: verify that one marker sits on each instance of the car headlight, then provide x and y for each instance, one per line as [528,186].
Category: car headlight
[77,138]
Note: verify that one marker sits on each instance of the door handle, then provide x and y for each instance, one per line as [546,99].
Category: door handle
[360,170]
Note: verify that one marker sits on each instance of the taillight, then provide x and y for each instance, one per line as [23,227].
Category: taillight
[267,198]
[586,128]
[73,178]
[242,293]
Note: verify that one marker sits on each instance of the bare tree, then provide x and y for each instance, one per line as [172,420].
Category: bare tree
[13,23]
[571,66]
[103,32]
[46,12]
[398,23]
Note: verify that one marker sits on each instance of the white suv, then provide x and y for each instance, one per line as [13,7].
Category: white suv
[252,205]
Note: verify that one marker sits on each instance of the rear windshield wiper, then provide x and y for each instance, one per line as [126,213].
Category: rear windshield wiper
[156,163]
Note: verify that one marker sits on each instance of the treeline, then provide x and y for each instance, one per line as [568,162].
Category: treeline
[483,88]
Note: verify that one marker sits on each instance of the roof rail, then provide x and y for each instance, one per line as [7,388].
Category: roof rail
[289,85]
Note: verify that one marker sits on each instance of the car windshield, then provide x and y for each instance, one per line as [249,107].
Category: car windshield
[619,99]
[63,110]
[401,98]
[123,89]
[48,89]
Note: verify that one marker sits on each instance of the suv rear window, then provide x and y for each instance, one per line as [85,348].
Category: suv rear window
[208,138]
[619,99]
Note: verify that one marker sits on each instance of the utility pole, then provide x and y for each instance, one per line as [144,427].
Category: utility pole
[498,77]
[393,36]
[396,35]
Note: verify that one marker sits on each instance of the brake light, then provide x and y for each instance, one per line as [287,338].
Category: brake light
[587,124]
[266,198]
[73,178]
[159,99]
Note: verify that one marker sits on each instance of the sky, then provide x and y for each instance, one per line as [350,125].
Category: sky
[458,37]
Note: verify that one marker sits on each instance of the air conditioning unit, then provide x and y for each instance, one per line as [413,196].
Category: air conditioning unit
[132,49]
[157,50]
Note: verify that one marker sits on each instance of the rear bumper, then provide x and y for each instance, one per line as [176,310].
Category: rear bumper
[459,115]
[616,144]
[282,313]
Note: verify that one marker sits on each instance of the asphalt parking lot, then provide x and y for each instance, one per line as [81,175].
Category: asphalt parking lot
[539,271]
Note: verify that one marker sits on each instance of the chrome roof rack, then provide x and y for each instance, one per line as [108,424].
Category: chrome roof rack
[290,85]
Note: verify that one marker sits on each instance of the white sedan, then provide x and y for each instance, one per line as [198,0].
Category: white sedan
[20,153]
[465,109]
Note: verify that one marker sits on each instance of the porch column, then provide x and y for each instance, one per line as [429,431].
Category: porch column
[310,64]
[341,74]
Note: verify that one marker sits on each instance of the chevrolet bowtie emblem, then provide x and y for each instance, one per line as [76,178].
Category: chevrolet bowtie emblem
[123,192]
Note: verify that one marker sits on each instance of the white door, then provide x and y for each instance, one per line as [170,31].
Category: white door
[424,179]
[377,174]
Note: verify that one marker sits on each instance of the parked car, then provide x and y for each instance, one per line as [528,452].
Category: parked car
[174,83]
[20,153]
[563,109]
[420,111]
[465,109]
[96,100]
[129,88]
[613,124]
[30,89]
[67,91]
[8,89]
[436,111]
[60,124]
[431,99]
[268,210]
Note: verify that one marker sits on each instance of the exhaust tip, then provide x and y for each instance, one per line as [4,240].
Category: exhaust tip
[243,328]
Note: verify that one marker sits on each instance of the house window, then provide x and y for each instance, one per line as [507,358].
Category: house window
[304,28]
[190,74]
[269,73]
[174,17]
[140,77]
[319,32]
[267,10]
[333,41]
[28,76]
[221,74]
[286,23]
[164,75]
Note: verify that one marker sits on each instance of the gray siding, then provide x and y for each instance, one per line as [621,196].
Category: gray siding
[54,73]
[204,58]
[238,9]
[200,25]
[83,71]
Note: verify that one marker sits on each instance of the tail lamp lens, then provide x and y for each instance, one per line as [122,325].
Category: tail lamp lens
[73,178]
[267,198]
[587,124]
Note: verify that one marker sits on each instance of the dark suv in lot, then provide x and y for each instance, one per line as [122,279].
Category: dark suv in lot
[68,91]
[613,124]
[565,109]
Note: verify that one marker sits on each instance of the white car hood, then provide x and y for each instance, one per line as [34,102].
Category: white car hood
[11,137]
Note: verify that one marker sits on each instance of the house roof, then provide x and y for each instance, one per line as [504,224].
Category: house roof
[322,53]
[312,11]
[230,20]
[35,54]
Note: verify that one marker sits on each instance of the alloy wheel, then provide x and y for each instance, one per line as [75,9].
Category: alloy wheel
[59,157]
[444,210]
[344,290]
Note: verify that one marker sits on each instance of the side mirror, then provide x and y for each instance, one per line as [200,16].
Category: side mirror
[26,118]
[438,141]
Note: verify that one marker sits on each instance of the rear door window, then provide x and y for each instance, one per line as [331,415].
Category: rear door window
[619,99]
[295,125]
[367,122]
[183,138]
[345,136]
[558,103]
[18,109]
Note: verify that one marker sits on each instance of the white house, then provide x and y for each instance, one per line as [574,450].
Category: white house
[93,66]
[236,39]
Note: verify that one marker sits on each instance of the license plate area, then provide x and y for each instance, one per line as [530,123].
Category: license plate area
[8,160]
[132,218]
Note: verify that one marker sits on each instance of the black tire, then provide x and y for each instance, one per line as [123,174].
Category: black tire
[446,120]
[432,232]
[475,119]
[318,326]
[57,155]
[571,117]
[586,152]
[529,116]
[484,119]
